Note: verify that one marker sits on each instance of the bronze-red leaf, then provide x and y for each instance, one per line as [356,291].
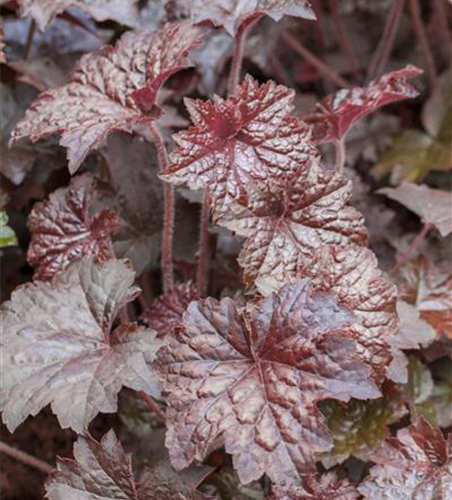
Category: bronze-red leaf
[62,229]
[339,111]
[106,90]
[246,141]
[254,377]
[417,464]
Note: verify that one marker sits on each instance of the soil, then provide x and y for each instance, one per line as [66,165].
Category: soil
[42,437]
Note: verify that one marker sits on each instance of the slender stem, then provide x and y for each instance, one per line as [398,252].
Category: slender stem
[343,40]
[319,39]
[168,224]
[418,26]
[381,56]
[30,36]
[340,155]
[314,60]
[204,247]
[406,256]
[239,50]
[153,406]
[440,22]
[25,458]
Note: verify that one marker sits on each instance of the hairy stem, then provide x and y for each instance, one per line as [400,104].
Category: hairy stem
[168,224]
[204,247]
[323,68]
[239,50]
[342,38]
[153,407]
[340,155]
[30,36]
[418,26]
[381,56]
[25,458]
[409,252]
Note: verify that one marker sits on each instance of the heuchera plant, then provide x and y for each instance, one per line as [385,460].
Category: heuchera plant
[259,374]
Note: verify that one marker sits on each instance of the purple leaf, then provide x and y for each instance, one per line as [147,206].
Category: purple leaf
[339,111]
[254,377]
[417,464]
[112,89]
[285,228]
[58,346]
[247,140]
[43,11]
[232,14]
[165,312]
[102,471]
[63,231]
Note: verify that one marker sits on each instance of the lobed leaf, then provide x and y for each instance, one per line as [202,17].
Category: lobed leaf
[112,89]
[44,11]
[339,111]
[59,348]
[63,231]
[233,14]
[254,377]
[415,464]
[165,312]
[285,229]
[434,206]
[244,142]
[102,471]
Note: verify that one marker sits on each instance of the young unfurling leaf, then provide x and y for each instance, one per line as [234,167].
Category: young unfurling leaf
[112,89]
[254,377]
[165,312]
[232,14]
[58,347]
[102,471]
[434,206]
[246,141]
[285,228]
[338,112]
[415,464]
[43,11]
[63,231]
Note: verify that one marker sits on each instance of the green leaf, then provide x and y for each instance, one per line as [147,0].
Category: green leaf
[7,235]
[360,425]
[415,153]
[430,392]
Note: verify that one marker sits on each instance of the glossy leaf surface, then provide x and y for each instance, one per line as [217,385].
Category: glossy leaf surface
[63,231]
[232,14]
[248,141]
[351,273]
[102,471]
[285,229]
[338,112]
[254,377]
[58,346]
[43,11]
[414,465]
[112,89]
